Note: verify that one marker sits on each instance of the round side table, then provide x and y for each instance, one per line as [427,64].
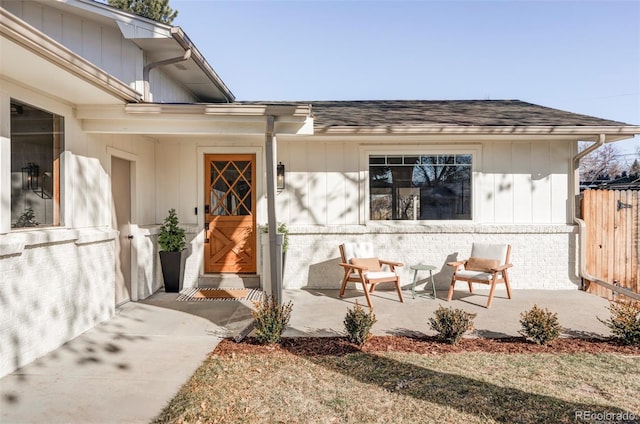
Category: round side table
[416,269]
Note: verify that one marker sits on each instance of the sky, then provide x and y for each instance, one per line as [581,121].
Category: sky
[579,56]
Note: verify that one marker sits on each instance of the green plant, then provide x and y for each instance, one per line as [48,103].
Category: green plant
[540,325]
[358,324]
[27,219]
[451,324]
[172,237]
[624,322]
[282,229]
[270,319]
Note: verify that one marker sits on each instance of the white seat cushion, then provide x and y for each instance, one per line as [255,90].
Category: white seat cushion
[476,275]
[371,275]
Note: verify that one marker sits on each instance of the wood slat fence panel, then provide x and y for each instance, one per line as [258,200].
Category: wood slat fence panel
[612,235]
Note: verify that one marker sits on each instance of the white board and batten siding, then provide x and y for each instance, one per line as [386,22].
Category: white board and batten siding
[523,183]
[514,182]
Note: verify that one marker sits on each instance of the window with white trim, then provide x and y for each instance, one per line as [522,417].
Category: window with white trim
[37,139]
[420,186]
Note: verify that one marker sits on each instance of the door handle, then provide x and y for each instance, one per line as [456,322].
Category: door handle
[206,208]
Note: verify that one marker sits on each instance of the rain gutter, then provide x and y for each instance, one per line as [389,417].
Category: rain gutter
[582,228]
[147,69]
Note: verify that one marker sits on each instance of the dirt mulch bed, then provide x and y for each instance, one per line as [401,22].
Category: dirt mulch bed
[315,346]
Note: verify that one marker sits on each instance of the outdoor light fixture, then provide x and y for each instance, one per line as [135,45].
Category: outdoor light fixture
[30,176]
[280,177]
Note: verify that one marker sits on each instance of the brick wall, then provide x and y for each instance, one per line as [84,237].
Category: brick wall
[54,285]
[543,256]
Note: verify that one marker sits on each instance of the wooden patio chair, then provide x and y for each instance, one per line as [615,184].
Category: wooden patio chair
[488,264]
[362,266]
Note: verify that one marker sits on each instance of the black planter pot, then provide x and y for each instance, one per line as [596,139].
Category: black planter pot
[173,270]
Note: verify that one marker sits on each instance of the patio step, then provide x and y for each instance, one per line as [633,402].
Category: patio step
[248,281]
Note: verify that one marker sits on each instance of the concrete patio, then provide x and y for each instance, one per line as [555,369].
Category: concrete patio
[127,369]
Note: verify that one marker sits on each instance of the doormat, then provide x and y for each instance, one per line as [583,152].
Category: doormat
[208,294]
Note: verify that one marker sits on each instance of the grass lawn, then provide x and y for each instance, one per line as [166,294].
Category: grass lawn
[397,387]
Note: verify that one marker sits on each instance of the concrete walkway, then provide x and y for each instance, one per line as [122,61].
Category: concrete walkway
[127,369]
[124,370]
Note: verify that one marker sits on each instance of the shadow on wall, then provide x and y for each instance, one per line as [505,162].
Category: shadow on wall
[325,275]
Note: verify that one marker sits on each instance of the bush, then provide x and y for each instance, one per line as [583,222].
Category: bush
[624,322]
[270,319]
[451,324]
[358,324]
[282,229]
[540,325]
[171,237]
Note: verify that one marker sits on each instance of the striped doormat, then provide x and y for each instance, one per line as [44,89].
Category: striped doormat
[196,294]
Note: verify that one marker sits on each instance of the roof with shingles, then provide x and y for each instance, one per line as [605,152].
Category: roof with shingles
[484,113]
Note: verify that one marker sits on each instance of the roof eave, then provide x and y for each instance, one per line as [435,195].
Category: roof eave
[23,34]
[612,133]
[179,35]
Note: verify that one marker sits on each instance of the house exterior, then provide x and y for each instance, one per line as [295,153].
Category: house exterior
[108,120]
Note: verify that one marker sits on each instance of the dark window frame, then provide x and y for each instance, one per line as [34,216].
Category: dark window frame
[420,185]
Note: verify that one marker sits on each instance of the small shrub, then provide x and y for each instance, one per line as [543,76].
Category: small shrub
[540,325]
[624,322]
[451,324]
[270,320]
[171,237]
[282,229]
[358,324]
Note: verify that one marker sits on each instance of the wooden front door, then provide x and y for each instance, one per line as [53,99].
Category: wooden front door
[230,222]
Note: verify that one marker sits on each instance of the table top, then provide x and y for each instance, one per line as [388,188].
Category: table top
[421,267]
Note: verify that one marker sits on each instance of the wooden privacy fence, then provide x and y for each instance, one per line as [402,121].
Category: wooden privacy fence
[611,218]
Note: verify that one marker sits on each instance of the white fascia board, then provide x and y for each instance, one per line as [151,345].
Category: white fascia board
[613,133]
[226,109]
[194,119]
[210,126]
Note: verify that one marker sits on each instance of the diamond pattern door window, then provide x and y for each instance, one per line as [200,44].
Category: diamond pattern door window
[230,188]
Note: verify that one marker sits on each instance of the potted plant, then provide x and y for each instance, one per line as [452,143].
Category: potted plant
[283,232]
[282,229]
[172,242]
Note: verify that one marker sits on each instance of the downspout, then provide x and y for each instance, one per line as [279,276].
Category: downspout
[147,69]
[582,227]
[275,239]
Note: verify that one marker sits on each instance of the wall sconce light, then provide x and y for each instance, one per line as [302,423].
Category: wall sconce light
[30,176]
[280,177]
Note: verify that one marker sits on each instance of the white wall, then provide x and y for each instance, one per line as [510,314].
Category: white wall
[544,256]
[520,197]
[54,285]
[524,183]
[515,182]
[101,44]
